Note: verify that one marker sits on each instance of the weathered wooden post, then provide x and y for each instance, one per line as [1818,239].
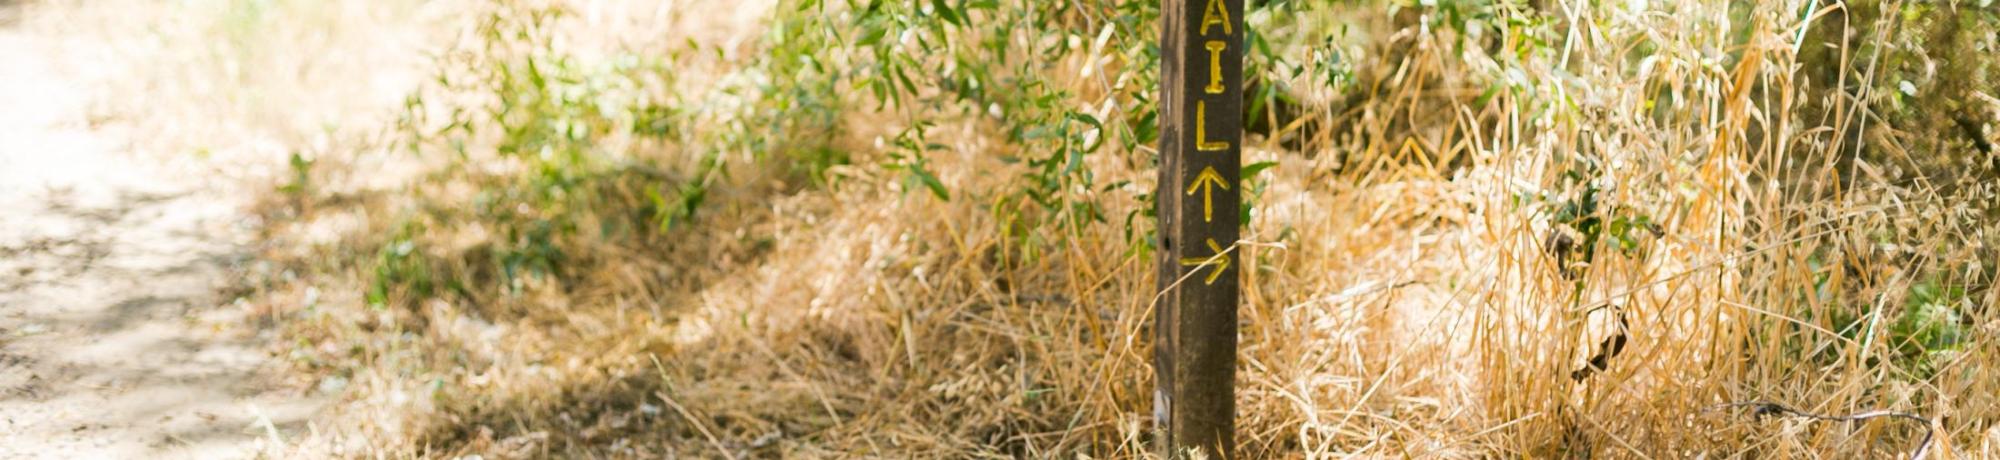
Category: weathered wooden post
[1201,122]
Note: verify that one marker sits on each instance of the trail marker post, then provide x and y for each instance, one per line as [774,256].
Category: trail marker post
[1201,123]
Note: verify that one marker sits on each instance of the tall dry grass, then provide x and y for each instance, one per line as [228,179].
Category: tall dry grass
[1420,279]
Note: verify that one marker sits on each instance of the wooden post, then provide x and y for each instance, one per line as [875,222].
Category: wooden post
[1201,122]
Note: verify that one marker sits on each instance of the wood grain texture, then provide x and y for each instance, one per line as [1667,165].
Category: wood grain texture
[1199,220]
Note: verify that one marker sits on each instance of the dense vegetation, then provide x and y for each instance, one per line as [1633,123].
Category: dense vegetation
[836,228]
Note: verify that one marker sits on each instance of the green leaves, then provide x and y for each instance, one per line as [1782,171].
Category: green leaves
[546,143]
[930,181]
[400,269]
[1250,170]
[301,182]
[1071,85]
[1580,224]
[909,157]
[943,10]
[1930,328]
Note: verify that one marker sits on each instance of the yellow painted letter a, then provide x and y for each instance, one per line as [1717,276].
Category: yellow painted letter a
[1213,14]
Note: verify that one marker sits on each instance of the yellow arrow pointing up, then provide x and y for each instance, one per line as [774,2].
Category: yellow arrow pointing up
[1206,183]
[1219,260]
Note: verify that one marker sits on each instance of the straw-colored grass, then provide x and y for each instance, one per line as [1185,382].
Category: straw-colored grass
[1409,289]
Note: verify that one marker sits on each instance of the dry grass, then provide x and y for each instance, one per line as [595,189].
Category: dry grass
[1409,298]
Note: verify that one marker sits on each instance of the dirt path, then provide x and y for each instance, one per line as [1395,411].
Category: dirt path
[115,340]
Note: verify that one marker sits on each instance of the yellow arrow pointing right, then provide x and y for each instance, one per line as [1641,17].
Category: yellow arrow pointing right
[1219,260]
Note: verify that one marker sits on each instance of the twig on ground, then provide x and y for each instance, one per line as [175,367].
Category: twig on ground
[1767,408]
[689,416]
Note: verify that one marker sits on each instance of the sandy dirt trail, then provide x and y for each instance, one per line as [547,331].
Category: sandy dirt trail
[116,340]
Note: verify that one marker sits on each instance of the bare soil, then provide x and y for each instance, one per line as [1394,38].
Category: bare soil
[118,338]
